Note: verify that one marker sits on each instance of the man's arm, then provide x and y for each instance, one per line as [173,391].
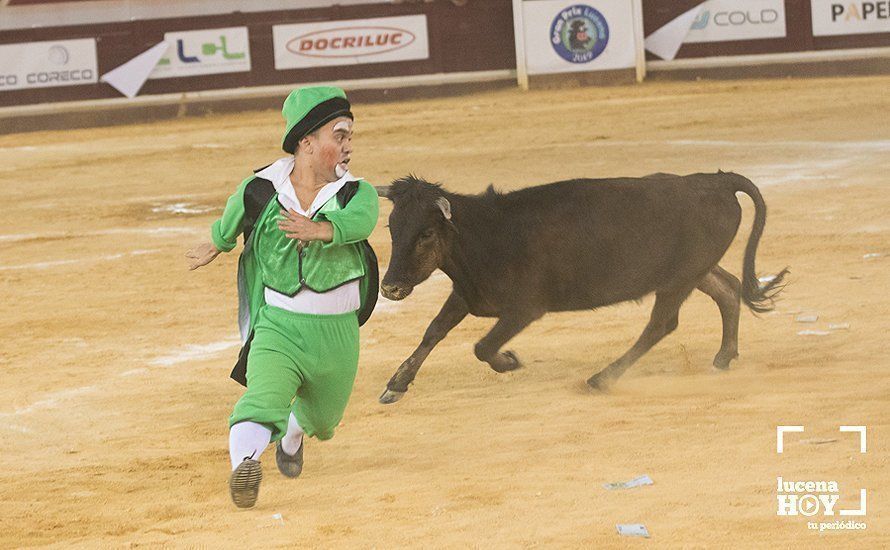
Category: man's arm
[202,255]
[355,222]
[352,224]
[298,226]
[224,231]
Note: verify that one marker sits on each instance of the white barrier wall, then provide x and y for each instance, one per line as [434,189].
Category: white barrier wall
[167,48]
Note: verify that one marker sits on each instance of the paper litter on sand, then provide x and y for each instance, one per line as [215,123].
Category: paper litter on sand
[636,482]
[633,530]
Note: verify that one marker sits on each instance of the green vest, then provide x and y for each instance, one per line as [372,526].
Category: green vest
[287,266]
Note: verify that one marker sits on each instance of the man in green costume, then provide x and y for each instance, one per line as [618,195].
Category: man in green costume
[306,280]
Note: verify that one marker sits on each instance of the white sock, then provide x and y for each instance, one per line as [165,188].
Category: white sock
[292,440]
[247,440]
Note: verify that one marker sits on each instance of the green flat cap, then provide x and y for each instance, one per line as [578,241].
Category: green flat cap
[307,109]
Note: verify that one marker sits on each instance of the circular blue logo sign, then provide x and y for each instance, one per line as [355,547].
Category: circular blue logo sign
[579,34]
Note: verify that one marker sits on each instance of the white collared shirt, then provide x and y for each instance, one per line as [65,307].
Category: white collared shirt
[342,299]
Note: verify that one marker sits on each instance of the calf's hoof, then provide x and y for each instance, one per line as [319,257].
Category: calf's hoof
[390,396]
[505,362]
[600,382]
[722,360]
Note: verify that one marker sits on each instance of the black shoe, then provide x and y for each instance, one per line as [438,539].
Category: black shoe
[289,466]
[244,485]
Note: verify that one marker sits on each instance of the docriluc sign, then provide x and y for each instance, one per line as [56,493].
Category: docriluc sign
[330,43]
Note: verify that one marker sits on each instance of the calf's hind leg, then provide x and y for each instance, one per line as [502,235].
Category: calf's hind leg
[725,289]
[506,328]
[662,321]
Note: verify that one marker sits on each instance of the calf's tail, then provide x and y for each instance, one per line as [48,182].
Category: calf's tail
[760,298]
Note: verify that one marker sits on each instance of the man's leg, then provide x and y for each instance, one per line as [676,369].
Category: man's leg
[247,440]
[261,415]
[289,452]
[246,443]
[293,439]
[328,379]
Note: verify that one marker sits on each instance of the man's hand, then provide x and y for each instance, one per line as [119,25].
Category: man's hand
[297,226]
[201,255]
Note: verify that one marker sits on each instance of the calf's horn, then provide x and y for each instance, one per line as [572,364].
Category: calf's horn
[444,206]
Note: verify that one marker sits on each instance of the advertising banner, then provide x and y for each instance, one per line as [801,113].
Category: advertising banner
[349,42]
[193,53]
[48,64]
[833,17]
[725,20]
[561,36]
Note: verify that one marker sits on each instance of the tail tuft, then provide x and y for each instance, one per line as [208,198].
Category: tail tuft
[761,298]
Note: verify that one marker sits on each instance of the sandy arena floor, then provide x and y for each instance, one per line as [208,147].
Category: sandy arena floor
[115,358]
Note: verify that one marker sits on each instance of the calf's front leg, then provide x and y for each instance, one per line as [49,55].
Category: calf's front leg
[453,311]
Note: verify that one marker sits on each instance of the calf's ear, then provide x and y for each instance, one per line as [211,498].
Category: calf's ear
[445,207]
[383,190]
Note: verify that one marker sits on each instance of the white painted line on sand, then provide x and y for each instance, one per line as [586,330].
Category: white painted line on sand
[51,400]
[863,146]
[877,145]
[192,352]
[55,263]
[149,231]
[182,208]
[133,372]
